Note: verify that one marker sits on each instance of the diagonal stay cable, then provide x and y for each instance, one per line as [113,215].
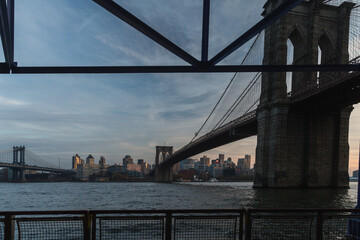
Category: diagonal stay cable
[237,101]
[222,95]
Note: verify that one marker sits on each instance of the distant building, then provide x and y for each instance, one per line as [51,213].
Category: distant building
[244,163]
[215,171]
[102,161]
[127,160]
[84,170]
[215,162]
[187,164]
[221,159]
[90,160]
[247,162]
[356,173]
[76,160]
[133,169]
[240,163]
[115,169]
[205,161]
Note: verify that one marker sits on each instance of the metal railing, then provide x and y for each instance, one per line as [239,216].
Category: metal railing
[245,224]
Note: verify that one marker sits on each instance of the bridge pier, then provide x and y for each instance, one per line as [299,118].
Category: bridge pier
[16,175]
[163,173]
[303,146]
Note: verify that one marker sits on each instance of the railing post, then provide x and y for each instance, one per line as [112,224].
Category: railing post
[168,226]
[241,225]
[87,226]
[93,230]
[9,227]
[248,225]
[319,226]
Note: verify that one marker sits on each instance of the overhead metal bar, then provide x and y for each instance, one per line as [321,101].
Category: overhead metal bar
[184,69]
[5,32]
[257,28]
[142,27]
[205,31]
[11,16]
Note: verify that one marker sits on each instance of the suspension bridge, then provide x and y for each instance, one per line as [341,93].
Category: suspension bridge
[301,119]
[17,159]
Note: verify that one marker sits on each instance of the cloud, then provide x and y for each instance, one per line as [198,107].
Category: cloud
[178,115]
[4,101]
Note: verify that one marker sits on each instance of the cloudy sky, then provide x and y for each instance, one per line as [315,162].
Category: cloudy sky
[118,114]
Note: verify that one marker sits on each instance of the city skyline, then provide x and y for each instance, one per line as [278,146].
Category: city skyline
[119,114]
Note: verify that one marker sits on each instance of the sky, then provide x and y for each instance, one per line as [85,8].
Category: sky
[113,115]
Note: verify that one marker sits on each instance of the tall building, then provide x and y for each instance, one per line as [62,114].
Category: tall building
[205,161]
[244,163]
[221,159]
[204,164]
[102,161]
[90,160]
[84,170]
[187,164]
[127,160]
[240,163]
[142,163]
[247,162]
[76,160]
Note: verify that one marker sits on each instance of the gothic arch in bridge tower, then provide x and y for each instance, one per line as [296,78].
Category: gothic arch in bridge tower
[298,147]
[297,39]
[163,173]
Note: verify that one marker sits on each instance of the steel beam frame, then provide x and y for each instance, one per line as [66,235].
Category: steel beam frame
[205,31]
[7,30]
[145,29]
[196,66]
[257,28]
[184,69]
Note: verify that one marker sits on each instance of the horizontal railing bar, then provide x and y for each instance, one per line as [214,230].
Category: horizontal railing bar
[272,210]
[49,219]
[130,217]
[167,211]
[176,211]
[56,212]
[207,217]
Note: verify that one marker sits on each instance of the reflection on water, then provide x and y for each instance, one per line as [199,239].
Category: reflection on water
[71,196]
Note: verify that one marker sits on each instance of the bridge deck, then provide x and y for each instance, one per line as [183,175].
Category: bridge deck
[343,91]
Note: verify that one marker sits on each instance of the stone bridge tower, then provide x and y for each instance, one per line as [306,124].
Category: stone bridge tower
[298,147]
[163,174]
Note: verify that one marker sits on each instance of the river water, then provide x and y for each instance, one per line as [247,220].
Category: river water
[111,195]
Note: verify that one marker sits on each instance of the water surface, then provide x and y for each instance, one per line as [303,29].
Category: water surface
[111,195]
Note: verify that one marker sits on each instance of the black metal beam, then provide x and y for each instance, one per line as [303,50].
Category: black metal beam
[184,69]
[5,33]
[205,31]
[142,27]
[11,16]
[257,28]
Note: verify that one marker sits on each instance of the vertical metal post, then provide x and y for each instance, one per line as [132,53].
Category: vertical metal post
[87,226]
[241,226]
[319,225]
[168,226]
[9,227]
[358,188]
[11,14]
[205,31]
[248,225]
[93,230]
